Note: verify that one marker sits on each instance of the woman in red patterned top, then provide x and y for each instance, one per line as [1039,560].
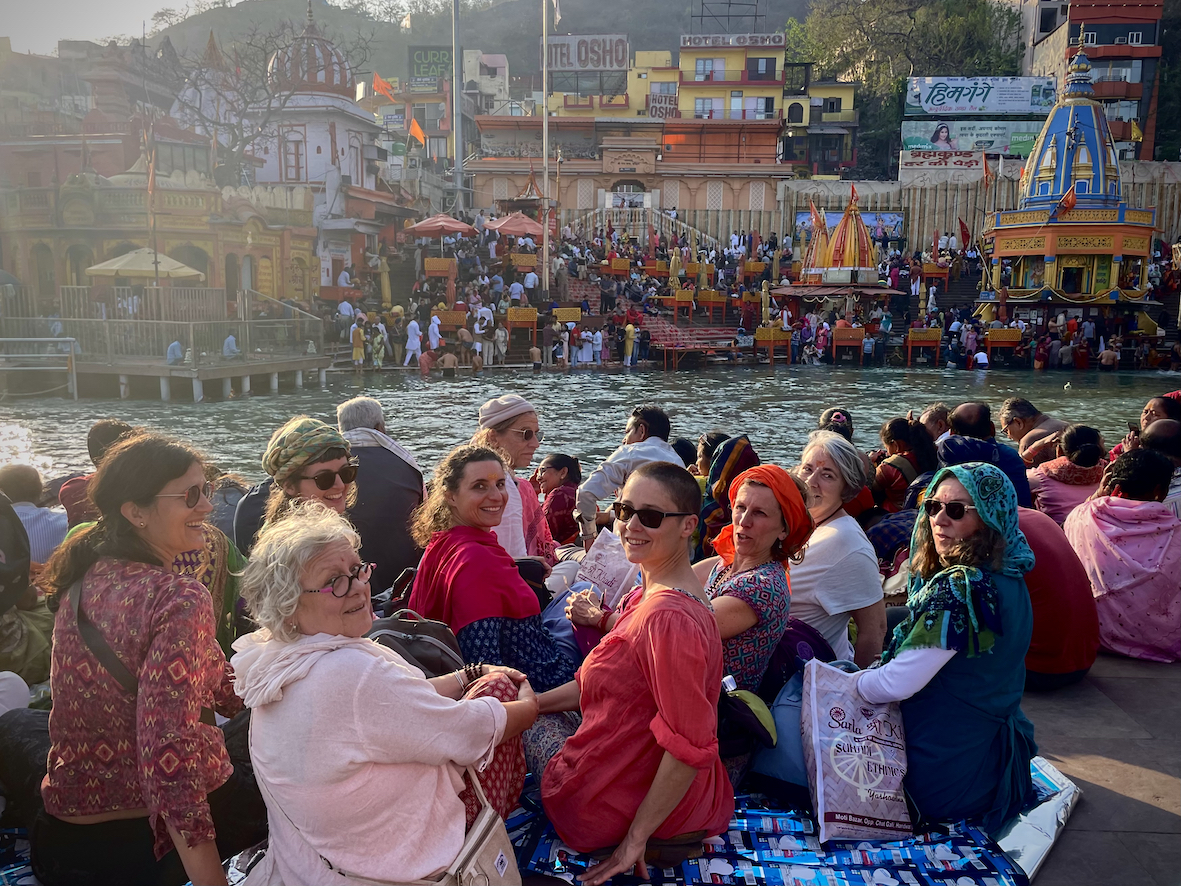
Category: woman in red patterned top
[137,772]
[557,479]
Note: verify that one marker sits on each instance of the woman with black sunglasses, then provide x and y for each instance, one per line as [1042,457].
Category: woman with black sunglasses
[957,664]
[309,461]
[640,780]
[140,787]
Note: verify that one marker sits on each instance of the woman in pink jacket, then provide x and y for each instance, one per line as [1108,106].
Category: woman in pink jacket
[1060,485]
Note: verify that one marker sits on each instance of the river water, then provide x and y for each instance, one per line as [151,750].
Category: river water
[583,412]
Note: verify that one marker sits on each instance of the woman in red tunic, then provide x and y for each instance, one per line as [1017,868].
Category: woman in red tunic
[644,764]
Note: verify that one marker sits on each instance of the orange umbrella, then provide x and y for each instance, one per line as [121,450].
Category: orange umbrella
[516,225]
[439,226]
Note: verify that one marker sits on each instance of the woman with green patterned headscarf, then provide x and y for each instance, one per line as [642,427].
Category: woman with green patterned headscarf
[309,460]
[957,663]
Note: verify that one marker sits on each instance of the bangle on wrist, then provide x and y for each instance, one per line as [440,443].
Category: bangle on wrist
[458,675]
[602,624]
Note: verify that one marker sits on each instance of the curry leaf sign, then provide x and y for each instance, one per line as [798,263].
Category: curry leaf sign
[430,61]
[601,52]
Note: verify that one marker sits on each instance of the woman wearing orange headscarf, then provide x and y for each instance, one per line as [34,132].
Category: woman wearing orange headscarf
[747,581]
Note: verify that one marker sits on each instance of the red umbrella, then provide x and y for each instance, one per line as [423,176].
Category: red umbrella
[516,225]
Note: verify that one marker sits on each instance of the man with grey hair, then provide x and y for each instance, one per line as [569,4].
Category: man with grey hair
[389,488]
[1022,423]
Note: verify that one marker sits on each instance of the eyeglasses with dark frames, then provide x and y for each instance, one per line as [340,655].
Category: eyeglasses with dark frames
[342,584]
[192,495]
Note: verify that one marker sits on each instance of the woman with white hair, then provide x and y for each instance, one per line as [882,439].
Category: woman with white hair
[509,425]
[838,578]
[349,743]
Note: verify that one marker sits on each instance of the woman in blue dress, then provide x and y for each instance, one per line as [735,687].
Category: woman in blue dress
[957,663]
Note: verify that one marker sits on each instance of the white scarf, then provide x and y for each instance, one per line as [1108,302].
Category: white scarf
[374,437]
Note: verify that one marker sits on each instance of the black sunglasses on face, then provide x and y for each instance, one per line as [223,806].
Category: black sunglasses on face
[649,517]
[955,509]
[192,495]
[327,479]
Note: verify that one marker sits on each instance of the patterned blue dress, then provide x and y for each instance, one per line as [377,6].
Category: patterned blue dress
[765,590]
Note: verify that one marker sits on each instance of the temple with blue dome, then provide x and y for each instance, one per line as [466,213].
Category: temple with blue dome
[1072,240]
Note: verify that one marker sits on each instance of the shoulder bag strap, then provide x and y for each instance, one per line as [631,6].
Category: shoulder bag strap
[99,647]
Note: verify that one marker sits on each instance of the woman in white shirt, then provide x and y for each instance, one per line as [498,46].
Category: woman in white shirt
[838,579]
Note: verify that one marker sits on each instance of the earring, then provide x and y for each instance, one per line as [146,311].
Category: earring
[142,524]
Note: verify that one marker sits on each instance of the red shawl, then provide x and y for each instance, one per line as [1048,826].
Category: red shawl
[466,576]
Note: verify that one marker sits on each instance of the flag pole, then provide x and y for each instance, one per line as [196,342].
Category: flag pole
[545,210]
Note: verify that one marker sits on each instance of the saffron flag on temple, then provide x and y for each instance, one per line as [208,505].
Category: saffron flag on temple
[406,22]
[1137,135]
[381,86]
[416,132]
[1065,204]
[965,236]
[853,196]
[988,175]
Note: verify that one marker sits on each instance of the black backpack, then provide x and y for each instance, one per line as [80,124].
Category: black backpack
[14,556]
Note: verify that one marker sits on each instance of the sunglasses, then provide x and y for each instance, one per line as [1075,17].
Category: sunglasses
[955,509]
[192,495]
[649,517]
[343,584]
[327,479]
[528,434]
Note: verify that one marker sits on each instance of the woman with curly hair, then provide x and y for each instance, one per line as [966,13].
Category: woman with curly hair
[467,579]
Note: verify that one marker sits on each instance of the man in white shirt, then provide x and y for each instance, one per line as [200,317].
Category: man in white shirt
[645,440]
[531,281]
[344,280]
[46,527]
[413,342]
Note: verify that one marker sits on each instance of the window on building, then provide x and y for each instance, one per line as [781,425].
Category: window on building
[1135,38]
[760,69]
[795,113]
[662,88]
[436,148]
[1090,39]
[758,108]
[293,156]
[710,69]
[707,108]
[832,105]
[1049,21]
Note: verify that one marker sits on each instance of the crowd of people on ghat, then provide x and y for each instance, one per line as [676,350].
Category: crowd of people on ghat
[212,683]
[621,309]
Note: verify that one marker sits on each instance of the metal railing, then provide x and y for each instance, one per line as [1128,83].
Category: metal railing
[201,344]
[731,75]
[184,304]
[41,355]
[737,114]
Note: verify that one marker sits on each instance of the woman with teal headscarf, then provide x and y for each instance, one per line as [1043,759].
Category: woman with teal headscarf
[957,663]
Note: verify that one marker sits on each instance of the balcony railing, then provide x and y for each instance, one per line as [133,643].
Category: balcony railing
[1116,87]
[733,75]
[738,114]
[850,116]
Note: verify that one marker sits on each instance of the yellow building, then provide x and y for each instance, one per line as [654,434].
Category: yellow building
[820,124]
[731,76]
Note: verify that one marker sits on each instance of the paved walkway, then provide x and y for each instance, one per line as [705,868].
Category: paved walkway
[1116,736]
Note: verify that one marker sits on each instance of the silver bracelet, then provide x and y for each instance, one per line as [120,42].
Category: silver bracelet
[458,675]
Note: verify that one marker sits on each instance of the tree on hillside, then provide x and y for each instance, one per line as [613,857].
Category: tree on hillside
[230,94]
[879,43]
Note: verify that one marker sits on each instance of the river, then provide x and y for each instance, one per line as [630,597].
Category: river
[583,412]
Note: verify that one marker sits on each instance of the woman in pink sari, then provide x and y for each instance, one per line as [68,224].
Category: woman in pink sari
[1063,483]
[1130,545]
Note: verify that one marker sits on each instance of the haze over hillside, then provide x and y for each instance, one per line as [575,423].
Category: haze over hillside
[512,27]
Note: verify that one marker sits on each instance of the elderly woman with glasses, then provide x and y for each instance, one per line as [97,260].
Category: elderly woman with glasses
[467,579]
[309,461]
[359,757]
[957,664]
[509,425]
[139,787]
[838,579]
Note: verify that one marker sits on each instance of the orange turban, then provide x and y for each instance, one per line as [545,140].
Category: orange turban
[791,503]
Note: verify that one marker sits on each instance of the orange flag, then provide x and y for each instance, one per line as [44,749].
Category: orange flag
[416,132]
[382,86]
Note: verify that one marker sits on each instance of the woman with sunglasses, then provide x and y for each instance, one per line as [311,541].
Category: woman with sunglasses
[957,664]
[509,425]
[350,744]
[309,461]
[140,788]
[467,580]
[640,779]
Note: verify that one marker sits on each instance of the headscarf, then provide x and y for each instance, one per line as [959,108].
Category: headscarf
[958,608]
[791,503]
[995,500]
[299,442]
[502,409]
[729,460]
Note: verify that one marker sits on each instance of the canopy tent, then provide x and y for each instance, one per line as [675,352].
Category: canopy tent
[516,225]
[146,264]
[440,226]
[6,279]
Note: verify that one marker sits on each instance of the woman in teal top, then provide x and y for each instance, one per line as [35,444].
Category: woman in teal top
[957,663]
